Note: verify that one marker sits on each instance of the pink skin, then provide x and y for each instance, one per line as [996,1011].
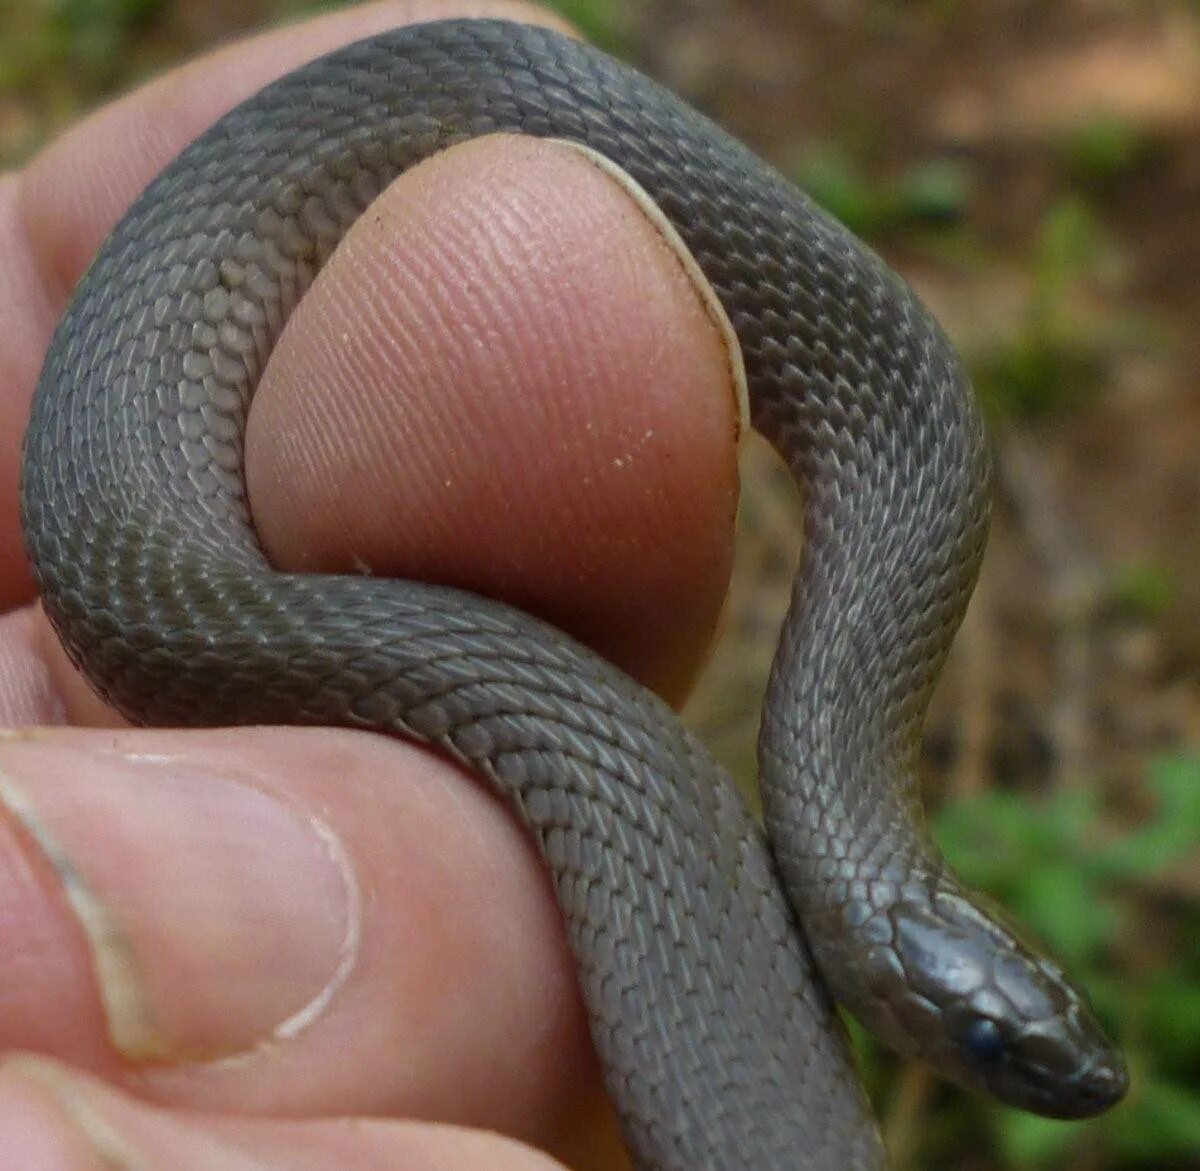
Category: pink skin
[597,423]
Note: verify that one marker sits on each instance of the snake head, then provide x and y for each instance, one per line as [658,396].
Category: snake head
[986,1009]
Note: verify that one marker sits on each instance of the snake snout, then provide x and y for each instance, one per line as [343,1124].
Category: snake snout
[1008,1021]
[1101,1085]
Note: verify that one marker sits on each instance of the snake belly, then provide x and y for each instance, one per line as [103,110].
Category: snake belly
[718,1038]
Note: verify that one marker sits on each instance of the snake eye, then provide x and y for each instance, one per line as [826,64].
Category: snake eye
[983,1040]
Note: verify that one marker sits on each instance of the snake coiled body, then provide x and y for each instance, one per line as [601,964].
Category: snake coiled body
[720,1045]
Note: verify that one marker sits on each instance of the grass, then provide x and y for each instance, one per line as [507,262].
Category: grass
[1104,149]
[1058,355]
[935,193]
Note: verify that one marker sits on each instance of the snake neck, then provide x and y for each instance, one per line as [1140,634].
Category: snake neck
[843,813]
[888,448]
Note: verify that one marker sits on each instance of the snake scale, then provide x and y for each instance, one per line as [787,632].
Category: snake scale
[711,1012]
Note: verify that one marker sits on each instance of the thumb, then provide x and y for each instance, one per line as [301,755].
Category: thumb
[506,380]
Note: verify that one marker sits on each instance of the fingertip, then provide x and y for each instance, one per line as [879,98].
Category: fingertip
[33,1130]
[39,685]
[286,920]
[53,1116]
[506,380]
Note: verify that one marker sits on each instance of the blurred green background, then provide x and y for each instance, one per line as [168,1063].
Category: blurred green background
[1034,170]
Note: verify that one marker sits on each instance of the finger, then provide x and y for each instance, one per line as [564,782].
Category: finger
[286,922]
[29,692]
[51,1116]
[55,213]
[29,310]
[444,1089]
[38,683]
[592,478]
[474,393]
[506,380]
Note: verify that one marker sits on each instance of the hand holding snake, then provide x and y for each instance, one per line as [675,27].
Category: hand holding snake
[717,1035]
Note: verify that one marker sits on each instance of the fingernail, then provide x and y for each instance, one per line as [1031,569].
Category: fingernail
[217,915]
[707,295]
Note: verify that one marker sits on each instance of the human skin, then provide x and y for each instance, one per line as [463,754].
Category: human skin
[308,948]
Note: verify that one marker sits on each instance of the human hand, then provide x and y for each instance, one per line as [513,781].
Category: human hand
[247,937]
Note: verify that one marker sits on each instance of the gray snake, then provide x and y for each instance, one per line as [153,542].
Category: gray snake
[711,1012]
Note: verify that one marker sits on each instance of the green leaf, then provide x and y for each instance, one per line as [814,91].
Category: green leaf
[829,176]
[935,192]
[1031,1141]
[1161,1123]
[1142,590]
[603,22]
[1067,246]
[1104,147]
[1170,1016]
[1060,904]
[1172,834]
